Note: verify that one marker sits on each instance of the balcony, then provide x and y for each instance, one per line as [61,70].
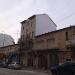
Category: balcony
[71,44]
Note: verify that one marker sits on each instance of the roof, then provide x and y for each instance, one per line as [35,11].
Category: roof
[37,15]
[9,46]
[28,18]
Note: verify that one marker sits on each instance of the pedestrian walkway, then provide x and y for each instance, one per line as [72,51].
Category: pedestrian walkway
[37,71]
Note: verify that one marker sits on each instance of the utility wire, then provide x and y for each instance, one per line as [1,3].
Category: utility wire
[66,17]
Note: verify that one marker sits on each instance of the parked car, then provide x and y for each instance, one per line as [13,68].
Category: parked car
[14,65]
[64,69]
[4,64]
[0,63]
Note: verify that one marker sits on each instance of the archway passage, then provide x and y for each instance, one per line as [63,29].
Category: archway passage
[42,61]
[54,59]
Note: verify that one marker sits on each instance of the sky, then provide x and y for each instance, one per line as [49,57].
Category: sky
[12,12]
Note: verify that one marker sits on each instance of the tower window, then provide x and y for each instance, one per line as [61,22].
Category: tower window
[31,24]
[32,34]
[66,35]
[23,27]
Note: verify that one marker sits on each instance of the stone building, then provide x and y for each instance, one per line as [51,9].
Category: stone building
[7,51]
[47,49]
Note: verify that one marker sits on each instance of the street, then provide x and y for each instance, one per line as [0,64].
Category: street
[5,71]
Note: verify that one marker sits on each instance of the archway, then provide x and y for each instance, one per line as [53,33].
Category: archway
[42,61]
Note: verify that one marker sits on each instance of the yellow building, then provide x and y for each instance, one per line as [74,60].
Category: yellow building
[53,48]
[60,39]
[7,51]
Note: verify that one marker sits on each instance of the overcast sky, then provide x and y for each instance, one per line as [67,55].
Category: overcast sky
[12,12]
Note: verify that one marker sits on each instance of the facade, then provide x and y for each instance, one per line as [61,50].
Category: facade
[33,27]
[47,49]
[59,41]
[50,49]
[8,51]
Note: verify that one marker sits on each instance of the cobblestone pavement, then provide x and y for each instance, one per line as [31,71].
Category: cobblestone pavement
[5,71]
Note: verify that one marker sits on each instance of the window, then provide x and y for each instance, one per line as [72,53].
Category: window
[40,44]
[31,24]
[22,37]
[73,31]
[26,30]
[68,59]
[32,34]
[23,27]
[66,35]
[50,43]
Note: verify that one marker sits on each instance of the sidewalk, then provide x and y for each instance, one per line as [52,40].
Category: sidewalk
[41,71]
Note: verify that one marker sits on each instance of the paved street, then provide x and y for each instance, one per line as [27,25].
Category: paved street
[5,71]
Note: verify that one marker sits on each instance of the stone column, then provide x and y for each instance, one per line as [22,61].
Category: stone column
[25,59]
[48,59]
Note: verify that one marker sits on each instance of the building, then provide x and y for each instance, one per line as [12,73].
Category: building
[37,25]
[8,51]
[7,46]
[33,26]
[56,45]
[47,48]
[50,49]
